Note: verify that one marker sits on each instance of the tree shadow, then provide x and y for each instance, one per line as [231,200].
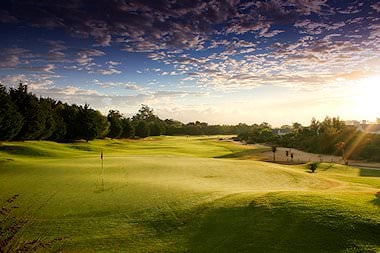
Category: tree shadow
[369,172]
[376,200]
[22,150]
[256,228]
[329,166]
[242,154]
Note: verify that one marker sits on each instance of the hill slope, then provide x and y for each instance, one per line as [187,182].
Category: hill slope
[169,194]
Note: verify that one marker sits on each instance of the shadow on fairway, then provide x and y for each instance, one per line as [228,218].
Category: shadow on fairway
[369,173]
[243,154]
[23,150]
[376,200]
[261,228]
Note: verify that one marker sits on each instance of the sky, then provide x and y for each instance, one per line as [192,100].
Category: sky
[219,61]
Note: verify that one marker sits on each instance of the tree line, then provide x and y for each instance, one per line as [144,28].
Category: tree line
[330,136]
[24,116]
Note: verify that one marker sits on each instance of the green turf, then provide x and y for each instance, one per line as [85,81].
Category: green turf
[179,194]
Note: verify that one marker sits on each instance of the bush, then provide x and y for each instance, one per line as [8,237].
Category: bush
[313,166]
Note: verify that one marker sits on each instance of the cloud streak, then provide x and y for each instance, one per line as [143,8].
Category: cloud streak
[142,47]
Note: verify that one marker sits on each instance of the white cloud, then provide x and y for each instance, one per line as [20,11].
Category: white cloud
[376,7]
[109,71]
[85,56]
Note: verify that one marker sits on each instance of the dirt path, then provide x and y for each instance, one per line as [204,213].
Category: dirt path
[301,157]
[304,157]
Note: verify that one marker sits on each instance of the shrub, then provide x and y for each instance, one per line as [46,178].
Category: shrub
[313,166]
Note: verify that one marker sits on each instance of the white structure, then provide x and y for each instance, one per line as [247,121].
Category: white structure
[364,126]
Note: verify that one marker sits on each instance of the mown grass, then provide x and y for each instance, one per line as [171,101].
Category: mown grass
[171,194]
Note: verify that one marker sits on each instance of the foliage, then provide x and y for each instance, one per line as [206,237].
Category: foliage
[313,166]
[92,124]
[145,113]
[26,117]
[142,129]
[11,121]
[23,116]
[331,136]
[116,124]
[128,129]
[156,128]
[262,133]
[32,111]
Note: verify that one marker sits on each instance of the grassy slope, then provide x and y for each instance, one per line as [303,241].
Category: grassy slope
[170,194]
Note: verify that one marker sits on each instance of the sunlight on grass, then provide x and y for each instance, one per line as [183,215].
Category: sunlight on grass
[169,194]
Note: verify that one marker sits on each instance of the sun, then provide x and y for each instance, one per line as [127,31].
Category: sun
[366,98]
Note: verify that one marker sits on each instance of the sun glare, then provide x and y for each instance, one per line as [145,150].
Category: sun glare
[366,98]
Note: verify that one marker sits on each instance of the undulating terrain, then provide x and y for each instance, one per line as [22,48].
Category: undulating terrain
[186,194]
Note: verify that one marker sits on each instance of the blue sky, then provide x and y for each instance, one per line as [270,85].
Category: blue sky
[227,61]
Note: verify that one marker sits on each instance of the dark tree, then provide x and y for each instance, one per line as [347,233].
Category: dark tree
[145,113]
[173,127]
[128,129]
[70,116]
[142,129]
[156,128]
[91,123]
[46,108]
[11,121]
[313,166]
[60,130]
[116,125]
[34,117]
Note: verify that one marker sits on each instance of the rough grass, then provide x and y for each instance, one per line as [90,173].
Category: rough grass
[171,194]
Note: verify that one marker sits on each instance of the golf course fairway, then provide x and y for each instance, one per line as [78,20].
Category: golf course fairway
[185,194]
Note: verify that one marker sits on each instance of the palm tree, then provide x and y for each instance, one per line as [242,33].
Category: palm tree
[341,146]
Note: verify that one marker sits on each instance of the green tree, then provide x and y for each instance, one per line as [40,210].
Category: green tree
[92,124]
[11,121]
[34,116]
[145,113]
[70,116]
[60,130]
[155,128]
[116,125]
[128,129]
[46,108]
[313,166]
[173,127]
[142,129]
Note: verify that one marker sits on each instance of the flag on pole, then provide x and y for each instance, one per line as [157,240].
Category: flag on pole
[101,154]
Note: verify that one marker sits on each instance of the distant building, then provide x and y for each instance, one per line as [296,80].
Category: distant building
[370,128]
[355,123]
[364,126]
[283,130]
